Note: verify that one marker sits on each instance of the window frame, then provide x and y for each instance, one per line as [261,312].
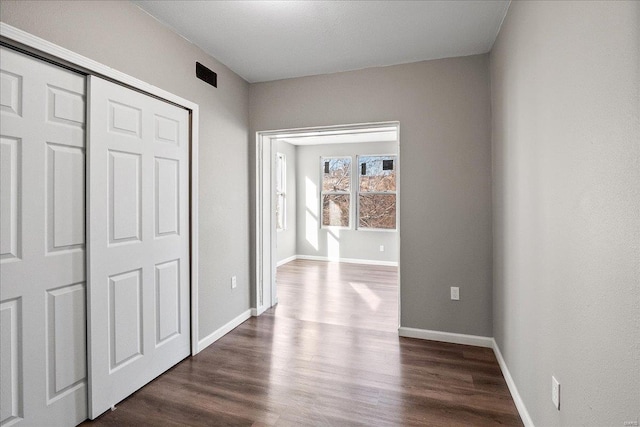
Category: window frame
[281,192]
[323,193]
[359,192]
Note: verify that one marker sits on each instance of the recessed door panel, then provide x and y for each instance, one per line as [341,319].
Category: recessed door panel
[125,312]
[167,204]
[10,221]
[10,93]
[65,204]
[167,130]
[66,107]
[66,318]
[125,119]
[10,362]
[124,196]
[167,300]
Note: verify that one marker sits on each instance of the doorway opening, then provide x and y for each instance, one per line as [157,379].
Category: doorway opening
[328,195]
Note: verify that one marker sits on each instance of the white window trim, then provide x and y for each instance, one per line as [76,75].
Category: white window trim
[322,193]
[358,192]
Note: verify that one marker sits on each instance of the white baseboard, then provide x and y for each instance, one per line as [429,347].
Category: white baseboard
[478,341]
[522,409]
[348,260]
[425,334]
[255,312]
[220,332]
[286,260]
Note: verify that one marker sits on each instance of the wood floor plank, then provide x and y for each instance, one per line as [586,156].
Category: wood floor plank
[327,355]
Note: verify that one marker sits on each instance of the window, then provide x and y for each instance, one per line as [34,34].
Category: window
[281,192]
[377,192]
[336,191]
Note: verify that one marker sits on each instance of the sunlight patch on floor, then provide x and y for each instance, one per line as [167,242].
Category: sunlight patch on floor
[372,300]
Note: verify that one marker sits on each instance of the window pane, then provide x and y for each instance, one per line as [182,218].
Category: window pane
[335,209]
[377,173]
[336,174]
[377,211]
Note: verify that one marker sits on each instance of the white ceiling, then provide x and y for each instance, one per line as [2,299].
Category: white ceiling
[272,40]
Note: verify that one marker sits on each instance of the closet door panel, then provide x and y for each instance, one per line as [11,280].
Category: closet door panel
[139,241]
[42,249]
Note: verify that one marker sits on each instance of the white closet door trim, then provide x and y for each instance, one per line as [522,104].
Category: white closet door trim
[27,39]
[45,46]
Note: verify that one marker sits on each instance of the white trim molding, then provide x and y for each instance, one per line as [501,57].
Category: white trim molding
[224,330]
[255,312]
[287,260]
[55,53]
[347,260]
[517,399]
[425,334]
[87,64]
[477,341]
[194,228]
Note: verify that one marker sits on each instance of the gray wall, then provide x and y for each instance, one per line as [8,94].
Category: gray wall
[443,107]
[122,36]
[354,244]
[286,239]
[566,155]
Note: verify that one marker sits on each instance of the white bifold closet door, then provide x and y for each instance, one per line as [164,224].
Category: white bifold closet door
[138,240]
[43,375]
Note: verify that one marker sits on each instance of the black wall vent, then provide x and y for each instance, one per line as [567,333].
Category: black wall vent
[205,74]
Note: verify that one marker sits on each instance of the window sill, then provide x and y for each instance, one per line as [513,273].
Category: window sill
[386,230]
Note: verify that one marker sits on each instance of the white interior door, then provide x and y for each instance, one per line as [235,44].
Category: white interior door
[42,240]
[138,241]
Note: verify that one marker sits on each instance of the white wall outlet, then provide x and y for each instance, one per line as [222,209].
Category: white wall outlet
[381,248]
[555,392]
[455,293]
[234,282]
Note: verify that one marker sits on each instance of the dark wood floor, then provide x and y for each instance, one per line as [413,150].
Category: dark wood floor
[327,355]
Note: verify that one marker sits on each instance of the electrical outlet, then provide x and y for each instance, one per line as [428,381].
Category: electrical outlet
[455,293]
[234,283]
[381,248]
[555,392]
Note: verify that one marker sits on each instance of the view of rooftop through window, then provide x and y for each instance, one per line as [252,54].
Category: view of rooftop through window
[377,192]
[375,189]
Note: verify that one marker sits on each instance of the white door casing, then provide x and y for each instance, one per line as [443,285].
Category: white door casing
[43,377]
[265,224]
[265,237]
[138,268]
